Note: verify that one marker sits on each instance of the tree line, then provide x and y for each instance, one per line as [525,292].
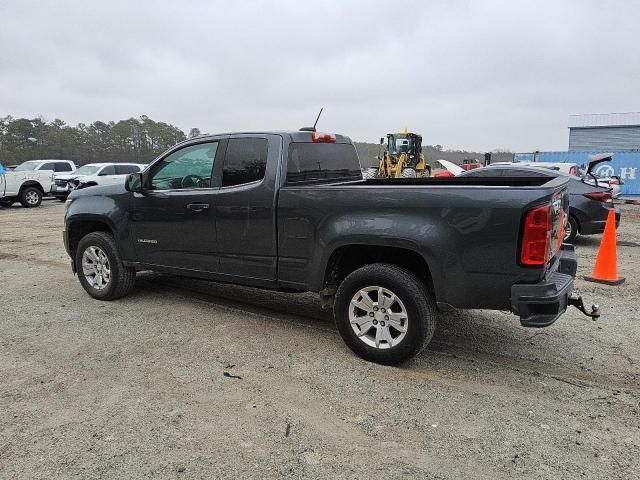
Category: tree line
[137,140]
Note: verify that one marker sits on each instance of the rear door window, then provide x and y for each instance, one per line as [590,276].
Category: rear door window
[62,167]
[48,166]
[313,162]
[126,169]
[245,161]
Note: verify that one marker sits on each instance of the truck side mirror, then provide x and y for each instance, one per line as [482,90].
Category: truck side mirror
[381,140]
[134,182]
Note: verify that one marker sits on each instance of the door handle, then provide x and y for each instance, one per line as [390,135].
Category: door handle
[198,207]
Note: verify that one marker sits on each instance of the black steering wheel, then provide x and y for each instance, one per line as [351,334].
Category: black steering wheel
[192,181]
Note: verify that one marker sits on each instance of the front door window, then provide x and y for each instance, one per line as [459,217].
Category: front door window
[187,168]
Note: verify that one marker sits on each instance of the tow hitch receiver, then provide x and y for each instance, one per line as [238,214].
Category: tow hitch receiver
[579,304]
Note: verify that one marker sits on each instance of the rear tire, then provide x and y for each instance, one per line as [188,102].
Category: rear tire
[101,271]
[31,197]
[571,230]
[405,319]
[408,173]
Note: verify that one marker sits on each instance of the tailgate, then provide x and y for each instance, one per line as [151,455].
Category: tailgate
[560,215]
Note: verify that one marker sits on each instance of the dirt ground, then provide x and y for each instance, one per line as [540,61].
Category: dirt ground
[188,379]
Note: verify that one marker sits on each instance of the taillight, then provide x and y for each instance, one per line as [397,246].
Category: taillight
[598,196]
[323,137]
[536,236]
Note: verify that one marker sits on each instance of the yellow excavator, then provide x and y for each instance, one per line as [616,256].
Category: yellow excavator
[400,157]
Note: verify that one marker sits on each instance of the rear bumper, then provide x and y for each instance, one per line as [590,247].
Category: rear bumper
[596,226]
[540,304]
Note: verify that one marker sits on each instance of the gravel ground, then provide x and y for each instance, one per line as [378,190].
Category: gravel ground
[189,379]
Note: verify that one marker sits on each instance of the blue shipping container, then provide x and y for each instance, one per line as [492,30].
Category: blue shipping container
[624,164]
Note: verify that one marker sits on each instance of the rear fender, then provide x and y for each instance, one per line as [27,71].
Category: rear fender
[417,236]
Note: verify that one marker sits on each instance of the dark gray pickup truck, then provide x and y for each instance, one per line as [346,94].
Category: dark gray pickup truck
[290,211]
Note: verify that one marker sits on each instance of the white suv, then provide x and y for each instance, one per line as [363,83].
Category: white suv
[94,174]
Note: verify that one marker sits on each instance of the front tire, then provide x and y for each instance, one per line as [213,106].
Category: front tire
[31,197]
[101,271]
[384,313]
[408,173]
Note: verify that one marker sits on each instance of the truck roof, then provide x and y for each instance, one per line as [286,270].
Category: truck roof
[295,135]
[48,160]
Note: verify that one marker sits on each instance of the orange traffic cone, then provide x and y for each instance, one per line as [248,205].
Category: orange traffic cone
[606,268]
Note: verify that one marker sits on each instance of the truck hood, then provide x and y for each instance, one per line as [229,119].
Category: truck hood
[98,190]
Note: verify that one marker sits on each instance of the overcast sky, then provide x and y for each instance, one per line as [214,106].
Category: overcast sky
[476,75]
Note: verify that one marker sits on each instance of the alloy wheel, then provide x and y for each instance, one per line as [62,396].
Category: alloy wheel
[32,197]
[96,267]
[378,317]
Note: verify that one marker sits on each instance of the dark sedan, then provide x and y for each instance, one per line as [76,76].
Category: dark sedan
[588,204]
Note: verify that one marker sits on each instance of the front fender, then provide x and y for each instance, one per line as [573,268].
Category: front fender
[111,210]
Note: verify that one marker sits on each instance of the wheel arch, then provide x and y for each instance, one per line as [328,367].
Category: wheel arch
[576,214]
[77,229]
[348,258]
[31,183]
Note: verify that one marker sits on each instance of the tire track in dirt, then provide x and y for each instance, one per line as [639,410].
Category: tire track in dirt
[574,377]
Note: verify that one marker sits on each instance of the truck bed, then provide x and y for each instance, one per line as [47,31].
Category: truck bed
[467,229]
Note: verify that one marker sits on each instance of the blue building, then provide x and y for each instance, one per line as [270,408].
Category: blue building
[591,134]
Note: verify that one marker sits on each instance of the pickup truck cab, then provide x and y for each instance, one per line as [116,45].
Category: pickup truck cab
[290,211]
[55,166]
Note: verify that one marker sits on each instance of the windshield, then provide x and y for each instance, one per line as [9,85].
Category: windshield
[26,166]
[86,170]
[398,144]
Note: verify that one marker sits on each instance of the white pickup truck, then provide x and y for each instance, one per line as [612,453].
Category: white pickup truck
[27,187]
